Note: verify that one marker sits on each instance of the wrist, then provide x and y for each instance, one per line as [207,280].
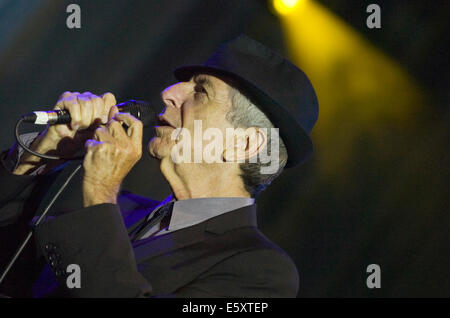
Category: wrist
[99,193]
[29,162]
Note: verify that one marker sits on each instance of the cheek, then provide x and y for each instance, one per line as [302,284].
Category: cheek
[199,119]
[195,110]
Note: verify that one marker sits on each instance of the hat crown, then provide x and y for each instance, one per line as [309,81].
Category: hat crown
[250,56]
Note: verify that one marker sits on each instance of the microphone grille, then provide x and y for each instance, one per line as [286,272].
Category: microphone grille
[142,110]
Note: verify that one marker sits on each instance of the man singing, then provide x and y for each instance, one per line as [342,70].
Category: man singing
[203,240]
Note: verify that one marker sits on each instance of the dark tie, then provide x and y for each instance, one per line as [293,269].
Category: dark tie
[152,224]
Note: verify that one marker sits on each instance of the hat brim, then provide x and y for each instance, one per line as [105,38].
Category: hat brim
[298,144]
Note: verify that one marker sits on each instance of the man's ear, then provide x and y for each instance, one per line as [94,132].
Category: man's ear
[246,146]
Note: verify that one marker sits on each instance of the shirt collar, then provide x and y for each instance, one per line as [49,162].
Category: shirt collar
[194,211]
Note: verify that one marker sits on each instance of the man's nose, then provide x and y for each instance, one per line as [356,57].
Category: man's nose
[174,95]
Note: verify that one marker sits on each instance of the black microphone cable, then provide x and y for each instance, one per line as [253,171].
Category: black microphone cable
[37,154]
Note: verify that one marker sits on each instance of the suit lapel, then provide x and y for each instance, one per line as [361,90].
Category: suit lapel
[171,261]
[155,246]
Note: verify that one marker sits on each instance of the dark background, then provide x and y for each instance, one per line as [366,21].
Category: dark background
[387,204]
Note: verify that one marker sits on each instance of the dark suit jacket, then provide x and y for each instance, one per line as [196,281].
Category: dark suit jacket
[226,256]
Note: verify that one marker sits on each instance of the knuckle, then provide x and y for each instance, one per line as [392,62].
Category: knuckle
[138,124]
[96,99]
[80,98]
[66,94]
[70,100]
[86,102]
[115,125]
[90,146]
[109,95]
[109,98]
[102,148]
[98,103]
[98,132]
[73,98]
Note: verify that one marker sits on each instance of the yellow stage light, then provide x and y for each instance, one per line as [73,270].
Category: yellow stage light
[361,90]
[285,6]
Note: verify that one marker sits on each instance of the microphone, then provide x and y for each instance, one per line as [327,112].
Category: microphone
[139,109]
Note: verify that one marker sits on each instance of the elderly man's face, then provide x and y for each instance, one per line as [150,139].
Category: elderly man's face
[204,98]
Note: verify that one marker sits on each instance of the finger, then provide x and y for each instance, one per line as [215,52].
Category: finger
[71,105]
[65,95]
[102,134]
[90,144]
[134,127]
[116,130]
[86,109]
[112,112]
[109,101]
[62,97]
[97,103]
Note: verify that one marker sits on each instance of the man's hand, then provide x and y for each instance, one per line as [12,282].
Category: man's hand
[110,156]
[86,110]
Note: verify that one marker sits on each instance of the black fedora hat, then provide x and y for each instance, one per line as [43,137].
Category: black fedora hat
[278,87]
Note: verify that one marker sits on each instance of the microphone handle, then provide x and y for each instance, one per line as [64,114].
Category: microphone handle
[63,117]
[139,109]
[133,107]
[59,116]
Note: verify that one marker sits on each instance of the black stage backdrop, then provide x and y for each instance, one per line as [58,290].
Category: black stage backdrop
[385,204]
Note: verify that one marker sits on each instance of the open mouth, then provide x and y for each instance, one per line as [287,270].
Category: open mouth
[164,122]
[163,126]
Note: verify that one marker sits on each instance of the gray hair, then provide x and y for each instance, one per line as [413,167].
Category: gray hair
[244,114]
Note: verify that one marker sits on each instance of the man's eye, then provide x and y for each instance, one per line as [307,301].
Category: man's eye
[200,89]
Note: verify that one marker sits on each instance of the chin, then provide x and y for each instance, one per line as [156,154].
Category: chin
[157,149]
[152,148]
